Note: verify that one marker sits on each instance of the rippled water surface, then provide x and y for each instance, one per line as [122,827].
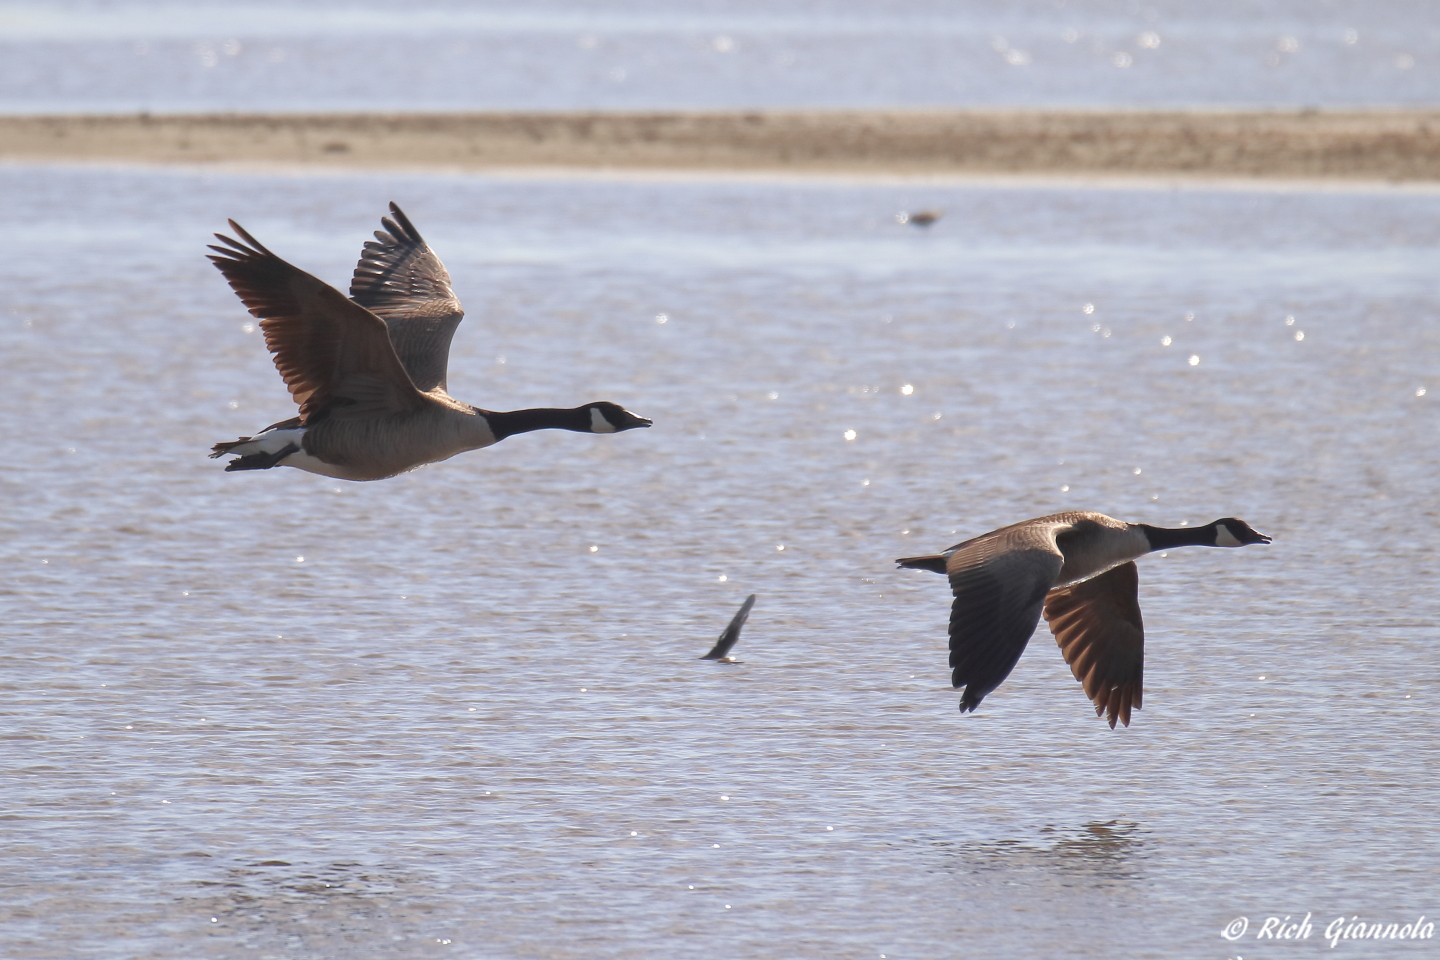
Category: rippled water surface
[459,713]
[81,55]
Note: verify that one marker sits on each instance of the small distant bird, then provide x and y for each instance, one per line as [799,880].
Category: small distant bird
[1078,569]
[920,218]
[368,371]
[721,651]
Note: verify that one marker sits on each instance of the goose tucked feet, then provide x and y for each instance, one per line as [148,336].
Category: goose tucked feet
[266,449]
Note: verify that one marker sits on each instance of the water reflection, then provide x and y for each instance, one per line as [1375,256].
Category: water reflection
[1109,850]
[313,908]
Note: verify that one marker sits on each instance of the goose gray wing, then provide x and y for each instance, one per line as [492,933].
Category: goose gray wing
[334,355]
[1097,624]
[1000,582]
[728,638]
[401,280]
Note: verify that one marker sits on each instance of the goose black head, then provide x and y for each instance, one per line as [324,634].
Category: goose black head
[607,417]
[1230,532]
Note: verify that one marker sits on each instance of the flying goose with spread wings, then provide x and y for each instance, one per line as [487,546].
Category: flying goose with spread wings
[1078,570]
[368,371]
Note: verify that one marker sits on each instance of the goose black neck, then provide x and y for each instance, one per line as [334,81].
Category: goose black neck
[1163,538]
[509,423]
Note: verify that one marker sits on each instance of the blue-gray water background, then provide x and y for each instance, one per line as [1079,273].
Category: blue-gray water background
[459,714]
[70,56]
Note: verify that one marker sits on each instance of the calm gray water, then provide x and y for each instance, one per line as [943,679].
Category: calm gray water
[458,713]
[91,55]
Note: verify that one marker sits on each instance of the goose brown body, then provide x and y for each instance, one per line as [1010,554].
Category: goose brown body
[382,445]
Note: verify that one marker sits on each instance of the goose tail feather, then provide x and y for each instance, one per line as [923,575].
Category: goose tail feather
[259,461]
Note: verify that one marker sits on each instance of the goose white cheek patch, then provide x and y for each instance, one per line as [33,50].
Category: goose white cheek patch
[598,423]
[1224,538]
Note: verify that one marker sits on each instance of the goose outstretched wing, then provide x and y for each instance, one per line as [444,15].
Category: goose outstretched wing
[1097,624]
[1000,582]
[333,354]
[401,280]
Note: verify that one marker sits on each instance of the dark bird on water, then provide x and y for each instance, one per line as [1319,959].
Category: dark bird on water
[721,650]
[1078,570]
[920,218]
[368,371]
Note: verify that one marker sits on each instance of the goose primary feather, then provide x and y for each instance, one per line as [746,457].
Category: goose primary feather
[731,635]
[1078,571]
[368,372]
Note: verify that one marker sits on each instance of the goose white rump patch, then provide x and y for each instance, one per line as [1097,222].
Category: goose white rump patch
[271,442]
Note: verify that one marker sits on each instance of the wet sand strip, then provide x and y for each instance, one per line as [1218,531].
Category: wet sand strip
[1393,145]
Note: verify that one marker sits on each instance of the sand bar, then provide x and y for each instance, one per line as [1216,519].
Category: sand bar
[1398,145]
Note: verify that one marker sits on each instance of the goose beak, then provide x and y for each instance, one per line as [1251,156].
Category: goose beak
[1253,536]
[622,419]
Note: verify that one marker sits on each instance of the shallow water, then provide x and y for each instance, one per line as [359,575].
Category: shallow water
[77,55]
[470,722]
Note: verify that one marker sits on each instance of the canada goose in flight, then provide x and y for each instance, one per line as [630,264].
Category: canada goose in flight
[368,372]
[721,650]
[1078,569]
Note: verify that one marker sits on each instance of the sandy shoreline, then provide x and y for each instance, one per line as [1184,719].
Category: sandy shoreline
[1371,145]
